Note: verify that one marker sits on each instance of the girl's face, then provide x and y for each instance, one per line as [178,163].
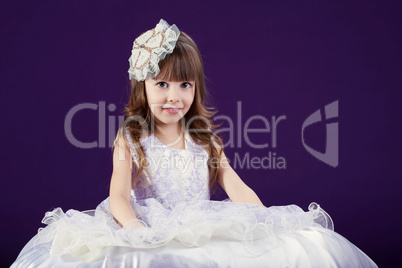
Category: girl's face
[169,101]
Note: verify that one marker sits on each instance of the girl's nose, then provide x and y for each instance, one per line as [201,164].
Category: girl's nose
[173,100]
[173,95]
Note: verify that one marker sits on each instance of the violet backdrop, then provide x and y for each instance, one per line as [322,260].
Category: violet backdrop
[277,57]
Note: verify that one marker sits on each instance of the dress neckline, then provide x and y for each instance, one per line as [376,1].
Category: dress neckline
[186,140]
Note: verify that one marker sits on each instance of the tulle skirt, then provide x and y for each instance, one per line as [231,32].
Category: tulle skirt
[197,234]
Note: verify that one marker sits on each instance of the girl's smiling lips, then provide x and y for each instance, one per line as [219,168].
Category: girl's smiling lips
[172,110]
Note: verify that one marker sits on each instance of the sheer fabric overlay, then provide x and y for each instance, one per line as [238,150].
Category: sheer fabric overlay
[182,227]
[172,203]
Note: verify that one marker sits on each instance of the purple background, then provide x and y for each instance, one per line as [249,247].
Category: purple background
[279,58]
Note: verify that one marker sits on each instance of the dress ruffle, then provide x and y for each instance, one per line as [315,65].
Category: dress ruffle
[85,235]
[184,228]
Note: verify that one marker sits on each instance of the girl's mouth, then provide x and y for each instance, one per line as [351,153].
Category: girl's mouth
[172,110]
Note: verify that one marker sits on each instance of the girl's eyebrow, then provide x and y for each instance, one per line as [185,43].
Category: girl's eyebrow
[159,80]
[167,81]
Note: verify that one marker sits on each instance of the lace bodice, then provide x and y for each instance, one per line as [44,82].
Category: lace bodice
[172,176]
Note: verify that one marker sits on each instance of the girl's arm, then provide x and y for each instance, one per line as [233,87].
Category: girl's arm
[120,186]
[234,187]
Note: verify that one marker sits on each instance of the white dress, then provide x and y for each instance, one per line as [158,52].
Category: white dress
[186,229]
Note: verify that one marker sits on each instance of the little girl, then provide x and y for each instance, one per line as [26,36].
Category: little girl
[166,161]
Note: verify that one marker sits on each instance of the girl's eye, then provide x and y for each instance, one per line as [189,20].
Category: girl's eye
[162,84]
[186,85]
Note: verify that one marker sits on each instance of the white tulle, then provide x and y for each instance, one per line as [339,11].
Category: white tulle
[86,234]
[183,227]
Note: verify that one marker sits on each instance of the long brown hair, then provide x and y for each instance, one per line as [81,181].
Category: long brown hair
[183,64]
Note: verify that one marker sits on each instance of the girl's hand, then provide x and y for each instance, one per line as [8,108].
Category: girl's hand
[134,224]
[138,231]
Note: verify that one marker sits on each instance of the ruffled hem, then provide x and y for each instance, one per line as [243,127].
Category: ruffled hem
[85,235]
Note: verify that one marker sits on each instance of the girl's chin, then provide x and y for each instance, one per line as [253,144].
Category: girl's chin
[168,121]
